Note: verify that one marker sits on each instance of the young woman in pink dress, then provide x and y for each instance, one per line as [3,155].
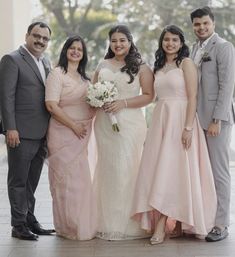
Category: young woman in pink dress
[175,179]
[68,134]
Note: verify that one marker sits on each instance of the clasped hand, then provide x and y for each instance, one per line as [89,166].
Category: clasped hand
[114,106]
[80,130]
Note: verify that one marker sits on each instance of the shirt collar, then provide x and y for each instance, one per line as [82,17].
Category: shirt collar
[35,58]
[204,43]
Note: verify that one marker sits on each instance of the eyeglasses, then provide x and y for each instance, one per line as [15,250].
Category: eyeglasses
[39,37]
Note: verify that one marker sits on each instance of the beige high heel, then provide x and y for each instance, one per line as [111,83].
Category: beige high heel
[158,237]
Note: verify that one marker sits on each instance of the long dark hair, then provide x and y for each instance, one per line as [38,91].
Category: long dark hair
[133,59]
[63,61]
[160,55]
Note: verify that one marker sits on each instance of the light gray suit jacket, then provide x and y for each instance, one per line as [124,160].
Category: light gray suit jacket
[216,82]
[22,95]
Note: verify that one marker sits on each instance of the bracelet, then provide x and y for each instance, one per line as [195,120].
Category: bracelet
[125,101]
[188,128]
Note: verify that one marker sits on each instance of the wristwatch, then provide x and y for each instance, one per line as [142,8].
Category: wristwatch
[215,121]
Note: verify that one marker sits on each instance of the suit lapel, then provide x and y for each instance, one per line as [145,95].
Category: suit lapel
[211,43]
[46,65]
[31,63]
[192,55]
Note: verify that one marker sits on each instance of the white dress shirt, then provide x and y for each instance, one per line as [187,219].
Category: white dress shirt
[39,64]
[201,50]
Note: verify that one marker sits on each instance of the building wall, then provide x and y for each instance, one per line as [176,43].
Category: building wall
[14,20]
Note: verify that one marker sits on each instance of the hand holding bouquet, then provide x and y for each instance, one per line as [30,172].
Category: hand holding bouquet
[101,93]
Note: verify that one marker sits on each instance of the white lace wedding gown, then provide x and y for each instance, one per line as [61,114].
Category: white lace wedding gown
[119,155]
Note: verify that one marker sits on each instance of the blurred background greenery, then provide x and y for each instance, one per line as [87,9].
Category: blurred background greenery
[92,19]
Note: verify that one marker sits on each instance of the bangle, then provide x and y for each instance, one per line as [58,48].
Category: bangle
[188,128]
[125,101]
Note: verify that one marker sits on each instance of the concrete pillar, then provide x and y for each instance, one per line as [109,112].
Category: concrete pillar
[14,21]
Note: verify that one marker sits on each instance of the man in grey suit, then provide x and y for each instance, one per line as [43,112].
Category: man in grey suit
[215,59]
[24,123]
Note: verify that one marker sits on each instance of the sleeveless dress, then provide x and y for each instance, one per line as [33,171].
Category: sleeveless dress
[74,207]
[174,181]
[119,155]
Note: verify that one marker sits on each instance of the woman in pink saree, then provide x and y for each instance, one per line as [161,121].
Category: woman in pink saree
[69,131]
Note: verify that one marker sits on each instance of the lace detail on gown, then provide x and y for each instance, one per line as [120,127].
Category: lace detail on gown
[118,162]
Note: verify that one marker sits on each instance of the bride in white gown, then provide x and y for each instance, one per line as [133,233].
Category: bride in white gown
[119,153]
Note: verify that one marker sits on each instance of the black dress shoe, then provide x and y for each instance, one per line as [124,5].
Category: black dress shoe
[36,228]
[23,232]
[217,234]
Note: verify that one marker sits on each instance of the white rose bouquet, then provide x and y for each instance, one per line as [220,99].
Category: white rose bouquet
[101,93]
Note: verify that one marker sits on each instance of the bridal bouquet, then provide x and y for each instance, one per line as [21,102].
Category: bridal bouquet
[101,93]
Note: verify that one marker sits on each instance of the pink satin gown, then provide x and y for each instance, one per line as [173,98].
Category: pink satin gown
[173,181]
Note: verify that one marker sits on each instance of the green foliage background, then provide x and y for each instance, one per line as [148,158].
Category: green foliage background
[92,19]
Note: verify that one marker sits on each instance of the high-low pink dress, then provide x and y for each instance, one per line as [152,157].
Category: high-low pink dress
[171,180]
[74,206]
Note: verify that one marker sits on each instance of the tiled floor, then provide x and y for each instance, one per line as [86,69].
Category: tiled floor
[53,246]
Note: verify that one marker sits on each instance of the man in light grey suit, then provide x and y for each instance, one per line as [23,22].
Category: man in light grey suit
[215,59]
[24,121]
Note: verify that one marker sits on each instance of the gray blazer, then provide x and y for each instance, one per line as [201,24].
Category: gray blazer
[216,82]
[22,95]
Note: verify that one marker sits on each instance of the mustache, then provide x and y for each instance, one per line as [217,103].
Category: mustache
[40,44]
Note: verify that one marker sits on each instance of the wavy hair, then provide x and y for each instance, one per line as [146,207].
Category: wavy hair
[160,55]
[133,59]
[63,60]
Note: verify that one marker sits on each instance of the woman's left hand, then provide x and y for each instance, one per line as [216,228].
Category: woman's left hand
[115,106]
[187,138]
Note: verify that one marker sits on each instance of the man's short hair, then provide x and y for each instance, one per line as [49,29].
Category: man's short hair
[41,25]
[200,12]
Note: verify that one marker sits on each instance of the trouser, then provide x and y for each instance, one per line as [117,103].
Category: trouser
[218,148]
[25,164]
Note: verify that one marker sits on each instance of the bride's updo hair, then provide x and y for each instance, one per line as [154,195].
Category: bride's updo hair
[160,55]
[133,59]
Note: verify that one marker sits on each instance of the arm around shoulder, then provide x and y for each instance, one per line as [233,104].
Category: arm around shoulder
[190,76]
[146,81]
[54,85]
[96,73]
